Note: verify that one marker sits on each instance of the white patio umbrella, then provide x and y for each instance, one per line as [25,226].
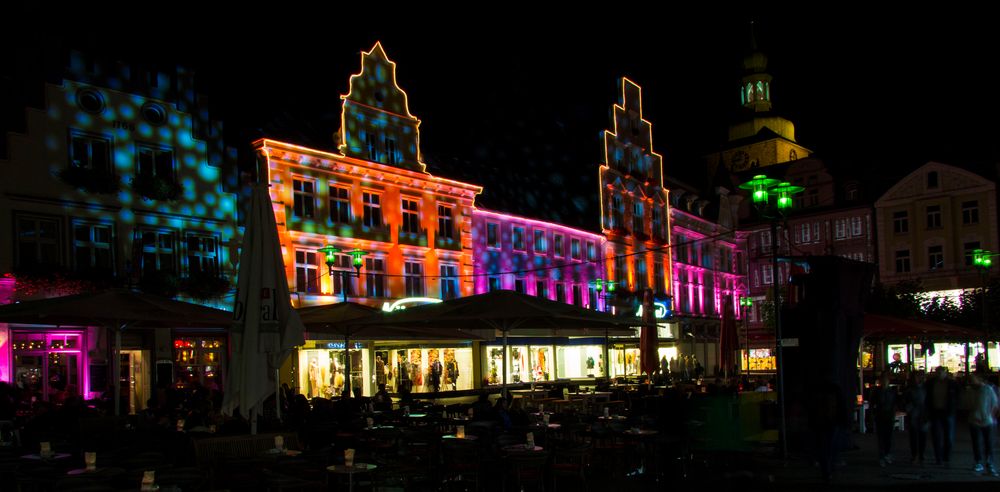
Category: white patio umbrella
[265,327]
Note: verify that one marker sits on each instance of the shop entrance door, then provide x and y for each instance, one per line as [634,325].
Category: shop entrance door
[135,380]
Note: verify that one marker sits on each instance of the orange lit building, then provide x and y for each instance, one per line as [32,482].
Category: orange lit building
[371,193]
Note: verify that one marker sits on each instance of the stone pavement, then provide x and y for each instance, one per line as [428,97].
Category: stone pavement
[858,469]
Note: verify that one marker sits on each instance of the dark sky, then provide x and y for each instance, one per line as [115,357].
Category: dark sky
[526,93]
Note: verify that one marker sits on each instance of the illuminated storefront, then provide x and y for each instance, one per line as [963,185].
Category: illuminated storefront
[761,360]
[50,365]
[199,360]
[421,367]
[626,361]
[579,361]
[950,355]
[324,365]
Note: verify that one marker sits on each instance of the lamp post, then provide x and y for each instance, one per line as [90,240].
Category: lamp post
[357,261]
[601,286]
[746,303]
[983,261]
[763,188]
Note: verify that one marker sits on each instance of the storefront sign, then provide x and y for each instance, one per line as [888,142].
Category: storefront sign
[662,311]
[408,301]
[340,345]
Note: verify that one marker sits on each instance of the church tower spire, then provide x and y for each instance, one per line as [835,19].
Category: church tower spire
[755,89]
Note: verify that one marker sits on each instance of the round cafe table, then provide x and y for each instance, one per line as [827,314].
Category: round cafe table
[468,437]
[350,471]
[54,456]
[522,448]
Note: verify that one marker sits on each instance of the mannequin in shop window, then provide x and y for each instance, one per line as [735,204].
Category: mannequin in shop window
[434,370]
[451,369]
[380,377]
[402,373]
[416,364]
[314,381]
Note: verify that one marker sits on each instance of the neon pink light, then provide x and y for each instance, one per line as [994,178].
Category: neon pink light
[539,223]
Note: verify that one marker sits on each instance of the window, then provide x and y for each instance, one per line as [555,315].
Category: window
[342,263]
[900,222]
[592,297]
[306,272]
[970,212]
[449,281]
[933,216]
[659,279]
[621,271]
[373,209]
[815,235]
[935,257]
[411,216]
[542,288]
[539,241]
[492,235]
[518,238]
[390,151]
[855,226]
[765,241]
[375,277]
[340,205]
[617,212]
[803,233]
[156,162]
[840,228]
[92,246]
[159,253]
[413,273]
[932,179]
[574,248]
[37,241]
[202,254]
[903,261]
[577,295]
[90,152]
[560,292]
[303,198]
[765,274]
[591,251]
[493,283]
[557,245]
[969,248]
[445,221]
[658,222]
[519,285]
[638,219]
[373,154]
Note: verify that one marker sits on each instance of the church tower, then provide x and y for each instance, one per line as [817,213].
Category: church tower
[635,215]
[760,137]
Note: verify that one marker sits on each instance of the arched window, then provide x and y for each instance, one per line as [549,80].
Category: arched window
[750,92]
[767,91]
[760,91]
[743,97]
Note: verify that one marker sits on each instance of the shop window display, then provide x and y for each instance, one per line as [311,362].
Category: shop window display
[625,362]
[427,369]
[760,360]
[323,371]
[528,363]
[584,361]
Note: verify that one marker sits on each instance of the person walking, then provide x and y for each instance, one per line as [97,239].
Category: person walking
[982,420]
[942,399]
[915,400]
[885,418]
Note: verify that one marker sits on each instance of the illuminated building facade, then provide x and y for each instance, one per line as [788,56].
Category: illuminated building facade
[831,217]
[635,218]
[709,268]
[372,194]
[635,208]
[929,223]
[118,178]
[546,260]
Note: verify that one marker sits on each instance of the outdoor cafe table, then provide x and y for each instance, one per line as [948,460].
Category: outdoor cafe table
[468,437]
[350,471]
[522,448]
[101,472]
[530,394]
[55,456]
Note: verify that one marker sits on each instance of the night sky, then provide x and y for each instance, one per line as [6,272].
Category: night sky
[517,101]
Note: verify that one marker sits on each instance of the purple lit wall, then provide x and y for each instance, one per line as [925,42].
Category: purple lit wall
[518,253]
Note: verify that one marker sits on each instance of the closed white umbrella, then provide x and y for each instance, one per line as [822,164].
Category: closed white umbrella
[265,327]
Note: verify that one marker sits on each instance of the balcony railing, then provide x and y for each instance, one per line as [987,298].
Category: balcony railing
[444,242]
[418,238]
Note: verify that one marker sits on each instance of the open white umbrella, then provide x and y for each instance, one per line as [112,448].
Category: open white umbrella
[265,327]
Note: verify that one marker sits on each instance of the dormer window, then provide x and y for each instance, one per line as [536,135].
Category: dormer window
[932,179]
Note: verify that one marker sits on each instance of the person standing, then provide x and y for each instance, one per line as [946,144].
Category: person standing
[885,418]
[982,419]
[942,398]
[915,399]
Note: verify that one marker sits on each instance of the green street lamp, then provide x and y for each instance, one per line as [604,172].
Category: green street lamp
[763,188]
[746,303]
[357,261]
[982,260]
[608,286]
